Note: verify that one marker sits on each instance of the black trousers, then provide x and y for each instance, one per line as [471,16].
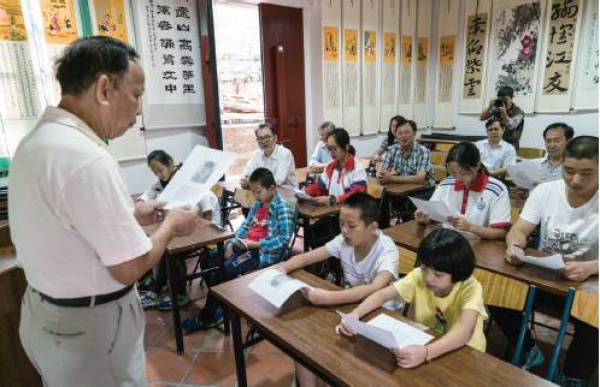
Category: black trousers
[582,355]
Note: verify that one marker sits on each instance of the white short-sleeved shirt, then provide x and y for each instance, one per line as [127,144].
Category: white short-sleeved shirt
[547,205]
[383,256]
[208,201]
[280,163]
[486,203]
[496,156]
[71,213]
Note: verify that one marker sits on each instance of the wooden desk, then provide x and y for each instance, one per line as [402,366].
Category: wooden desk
[14,363]
[490,256]
[306,334]
[395,190]
[205,234]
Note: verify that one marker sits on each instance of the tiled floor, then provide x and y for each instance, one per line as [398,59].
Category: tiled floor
[209,360]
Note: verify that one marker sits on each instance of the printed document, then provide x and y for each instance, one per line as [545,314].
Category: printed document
[435,209]
[387,331]
[200,171]
[276,287]
[554,262]
[525,174]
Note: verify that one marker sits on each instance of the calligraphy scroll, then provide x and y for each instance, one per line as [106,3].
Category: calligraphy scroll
[408,29]
[586,90]
[19,99]
[421,107]
[332,61]
[563,23]
[444,93]
[390,63]
[350,67]
[477,27]
[371,67]
[168,40]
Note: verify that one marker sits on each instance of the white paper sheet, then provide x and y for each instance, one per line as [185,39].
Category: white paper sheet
[435,209]
[302,195]
[387,331]
[201,170]
[276,287]
[553,262]
[525,174]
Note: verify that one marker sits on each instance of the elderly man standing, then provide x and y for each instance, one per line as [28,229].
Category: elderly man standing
[76,230]
[276,158]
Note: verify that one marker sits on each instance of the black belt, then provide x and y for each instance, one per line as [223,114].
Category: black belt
[85,301]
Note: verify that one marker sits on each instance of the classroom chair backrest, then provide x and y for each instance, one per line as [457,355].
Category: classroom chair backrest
[301,174]
[438,158]
[374,188]
[443,146]
[585,308]
[531,153]
[243,197]
[407,261]
[439,173]
[502,291]
[217,189]
[499,290]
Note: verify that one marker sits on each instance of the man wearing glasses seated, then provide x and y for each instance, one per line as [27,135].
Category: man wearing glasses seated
[276,158]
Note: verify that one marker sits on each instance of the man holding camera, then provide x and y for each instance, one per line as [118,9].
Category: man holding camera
[511,116]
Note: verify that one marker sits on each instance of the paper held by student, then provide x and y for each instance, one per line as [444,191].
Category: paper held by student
[554,262]
[525,174]
[304,197]
[201,170]
[276,287]
[435,209]
[387,331]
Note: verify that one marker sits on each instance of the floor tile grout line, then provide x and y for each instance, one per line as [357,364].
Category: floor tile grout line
[191,365]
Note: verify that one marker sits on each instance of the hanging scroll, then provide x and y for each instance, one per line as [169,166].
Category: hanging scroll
[350,69]
[408,25]
[389,65]
[370,67]
[332,61]
[586,89]
[444,92]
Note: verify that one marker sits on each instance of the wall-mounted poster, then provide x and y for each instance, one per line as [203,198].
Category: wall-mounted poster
[515,52]
[110,18]
[351,45]
[59,21]
[370,46]
[331,47]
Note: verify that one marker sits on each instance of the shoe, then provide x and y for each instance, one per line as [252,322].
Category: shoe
[165,303]
[148,300]
[194,323]
[567,381]
[146,283]
[533,358]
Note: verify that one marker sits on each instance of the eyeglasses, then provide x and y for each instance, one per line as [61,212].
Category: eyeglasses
[263,138]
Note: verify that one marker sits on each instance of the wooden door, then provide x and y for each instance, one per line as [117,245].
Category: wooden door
[283,70]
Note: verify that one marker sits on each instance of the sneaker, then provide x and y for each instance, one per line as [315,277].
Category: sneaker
[567,381]
[165,303]
[194,323]
[148,300]
[533,358]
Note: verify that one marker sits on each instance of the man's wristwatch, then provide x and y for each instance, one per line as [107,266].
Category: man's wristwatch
[332,200]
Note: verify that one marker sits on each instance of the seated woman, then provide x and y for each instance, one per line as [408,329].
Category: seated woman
[390,138]
[481,202]
[321,156]
[343,176]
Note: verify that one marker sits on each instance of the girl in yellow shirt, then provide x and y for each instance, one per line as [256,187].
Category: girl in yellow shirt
[444,294]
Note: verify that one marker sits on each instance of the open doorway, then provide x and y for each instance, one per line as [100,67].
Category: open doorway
[238,47]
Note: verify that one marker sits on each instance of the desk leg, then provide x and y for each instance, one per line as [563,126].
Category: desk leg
[385,211]
[238,349]
[176,313]
[222,274]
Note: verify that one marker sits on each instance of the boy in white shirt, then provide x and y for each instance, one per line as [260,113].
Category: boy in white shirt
[567,211]
[496,154]
[369,260]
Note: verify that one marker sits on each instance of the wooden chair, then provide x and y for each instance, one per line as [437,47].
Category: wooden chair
[531,153]
[407,262]
[438,158]
[243,197]
[374,188]
[439,173]
[443,146]
[504,292]
[584,307]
